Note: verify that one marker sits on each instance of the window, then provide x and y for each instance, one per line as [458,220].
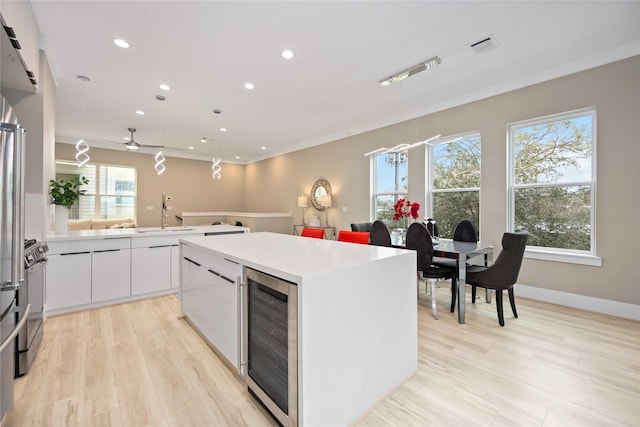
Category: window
[552,181]
[111,192]
[390,183]
[453,182]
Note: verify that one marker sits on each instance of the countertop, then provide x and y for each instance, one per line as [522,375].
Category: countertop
[241,214]
[291,257]
[141,232]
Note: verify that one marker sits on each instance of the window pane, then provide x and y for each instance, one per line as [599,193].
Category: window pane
[457,164]
[449,208]
[392,173]
[554,152]
[384,208]
[117,207]
[117,180]
[555,217]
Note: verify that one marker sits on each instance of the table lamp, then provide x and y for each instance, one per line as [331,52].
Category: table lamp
[302,203]
[326,201]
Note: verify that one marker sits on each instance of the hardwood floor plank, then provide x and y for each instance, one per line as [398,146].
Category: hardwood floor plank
[141,364]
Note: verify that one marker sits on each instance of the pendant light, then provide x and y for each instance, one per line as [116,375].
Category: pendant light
[216,168]
[81,146]
[159,157]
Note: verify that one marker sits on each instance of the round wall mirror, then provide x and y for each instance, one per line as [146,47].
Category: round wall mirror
[320,188]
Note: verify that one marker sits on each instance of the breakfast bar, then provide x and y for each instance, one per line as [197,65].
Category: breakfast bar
[352,309]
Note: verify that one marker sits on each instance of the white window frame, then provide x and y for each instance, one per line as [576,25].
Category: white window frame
[429,171]
[373,185]
[573,256]
[97,195]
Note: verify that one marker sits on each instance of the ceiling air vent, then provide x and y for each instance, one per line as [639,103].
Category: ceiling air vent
[485,44]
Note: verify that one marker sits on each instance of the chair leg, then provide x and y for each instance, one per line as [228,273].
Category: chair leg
[454,293]
[473,294]
[434,307]
[499,307]
[512,300]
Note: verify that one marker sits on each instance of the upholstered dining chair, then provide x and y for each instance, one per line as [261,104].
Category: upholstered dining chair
[317,233]
[465,231]
[502,274]
[361,226]
[361,237]
[419,239]
[379,234]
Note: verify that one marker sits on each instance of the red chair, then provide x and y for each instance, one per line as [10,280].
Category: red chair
[361,237]
[316,233]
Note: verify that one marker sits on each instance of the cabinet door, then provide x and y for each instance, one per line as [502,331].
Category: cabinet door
[110,274]
[175,266]
[68,280]
[150,269]
[210,301]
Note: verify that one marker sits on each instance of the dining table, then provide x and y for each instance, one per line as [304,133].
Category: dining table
[461,252]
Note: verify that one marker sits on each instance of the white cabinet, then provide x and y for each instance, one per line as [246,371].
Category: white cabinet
[210,295]
[151,264]
[110,270]
[87,271]
[175,266]
[68,279]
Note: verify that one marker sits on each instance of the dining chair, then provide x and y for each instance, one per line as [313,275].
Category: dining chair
[361,226]
[419,239]
[317,233]
[502,274]
[379,234]
[361,237]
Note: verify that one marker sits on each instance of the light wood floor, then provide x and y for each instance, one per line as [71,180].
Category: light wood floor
[139,364]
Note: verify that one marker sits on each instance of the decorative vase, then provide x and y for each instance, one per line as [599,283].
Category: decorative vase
[62,218]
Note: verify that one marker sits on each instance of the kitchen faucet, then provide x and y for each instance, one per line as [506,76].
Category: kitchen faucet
[165,199]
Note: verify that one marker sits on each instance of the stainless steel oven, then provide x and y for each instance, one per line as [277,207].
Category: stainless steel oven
[272,344]
[31,292]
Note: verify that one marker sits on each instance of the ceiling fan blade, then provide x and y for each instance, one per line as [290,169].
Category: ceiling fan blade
[152,146]
[115,142]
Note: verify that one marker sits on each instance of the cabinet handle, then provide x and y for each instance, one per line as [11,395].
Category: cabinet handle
[234,262]
[221,276]
[107,250]
[159,246]
[191,261]
[75,253]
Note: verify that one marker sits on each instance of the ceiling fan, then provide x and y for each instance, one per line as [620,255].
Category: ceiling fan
[132,144]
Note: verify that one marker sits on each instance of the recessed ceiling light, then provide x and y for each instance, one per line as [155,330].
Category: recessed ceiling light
[191,147]
[237,157]
[287,54]
[140,113]
[164,86]
[249,86]
[121,43]
[223,129]
[263,148]
[203,140]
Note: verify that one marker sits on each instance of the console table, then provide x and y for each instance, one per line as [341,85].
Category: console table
[329,232]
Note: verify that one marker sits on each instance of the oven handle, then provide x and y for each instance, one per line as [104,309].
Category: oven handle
[15,331]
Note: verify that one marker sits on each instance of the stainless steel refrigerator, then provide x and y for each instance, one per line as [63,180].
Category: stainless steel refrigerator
[11,246]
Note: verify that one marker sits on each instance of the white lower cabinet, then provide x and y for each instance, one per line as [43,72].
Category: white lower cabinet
[68,278]
[210,295]
[151,264]
[175,266]
[110,274]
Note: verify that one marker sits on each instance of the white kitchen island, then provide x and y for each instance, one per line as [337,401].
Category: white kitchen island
[356,314]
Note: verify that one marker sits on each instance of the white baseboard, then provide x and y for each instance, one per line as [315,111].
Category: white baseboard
[598,305]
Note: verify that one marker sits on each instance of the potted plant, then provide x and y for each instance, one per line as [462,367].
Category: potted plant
[64,194]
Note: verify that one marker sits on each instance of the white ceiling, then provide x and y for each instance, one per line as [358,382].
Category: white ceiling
[207,50]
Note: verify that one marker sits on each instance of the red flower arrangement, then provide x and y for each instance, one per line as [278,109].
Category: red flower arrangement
[405,209]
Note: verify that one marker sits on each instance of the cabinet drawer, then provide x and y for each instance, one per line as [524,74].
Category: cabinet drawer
[216,264]
[77,246]
[151,241]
